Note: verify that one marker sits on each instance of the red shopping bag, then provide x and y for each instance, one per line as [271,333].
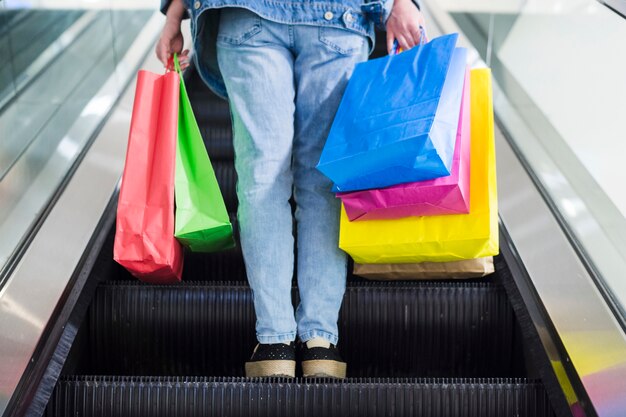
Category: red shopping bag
[144,235]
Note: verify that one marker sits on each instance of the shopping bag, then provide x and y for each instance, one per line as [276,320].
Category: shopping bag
[202,222]
[441,238]
[397,120]
[444,195]
[144,234]
[467,268]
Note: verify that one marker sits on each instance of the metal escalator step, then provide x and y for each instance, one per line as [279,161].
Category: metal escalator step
[218,139]
[217,266]
[188,396]
[207,107]
[210,110]
[386,329]
[227,180]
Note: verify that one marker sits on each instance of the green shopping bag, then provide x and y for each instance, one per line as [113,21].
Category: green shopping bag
[202,222]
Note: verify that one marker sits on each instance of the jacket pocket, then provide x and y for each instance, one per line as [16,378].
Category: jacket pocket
[341,41]
[238,25]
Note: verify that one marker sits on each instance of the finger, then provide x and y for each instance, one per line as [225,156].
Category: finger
[166,55]
[183,55]
[403,42]
[409,38]
[390,39]
[416,34]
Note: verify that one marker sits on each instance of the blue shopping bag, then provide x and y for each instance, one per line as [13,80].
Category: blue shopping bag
[398,118]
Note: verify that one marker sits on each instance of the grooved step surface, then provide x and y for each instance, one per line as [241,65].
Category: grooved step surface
[217,266]
[218,140]
[212,115]
[227,180]
[208,108]
[233,397]
[420,329]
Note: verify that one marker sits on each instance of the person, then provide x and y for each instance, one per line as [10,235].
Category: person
[283,67]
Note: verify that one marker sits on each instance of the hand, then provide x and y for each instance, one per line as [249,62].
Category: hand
[404,24]
[170,42]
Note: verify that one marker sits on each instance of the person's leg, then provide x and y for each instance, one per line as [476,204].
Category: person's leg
[324,62]
[257,66]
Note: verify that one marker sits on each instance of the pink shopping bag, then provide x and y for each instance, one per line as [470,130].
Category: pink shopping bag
[144,233]
[443,195]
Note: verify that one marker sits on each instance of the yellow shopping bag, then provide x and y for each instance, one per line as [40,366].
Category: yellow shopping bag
[441,238]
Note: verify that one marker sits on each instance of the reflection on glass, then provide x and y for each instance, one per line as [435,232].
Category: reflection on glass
[560,66]
[56,80]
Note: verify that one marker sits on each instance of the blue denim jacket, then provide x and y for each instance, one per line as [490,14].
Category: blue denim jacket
[353,15]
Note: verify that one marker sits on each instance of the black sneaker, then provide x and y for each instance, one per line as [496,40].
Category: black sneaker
[321,362]
[275,359]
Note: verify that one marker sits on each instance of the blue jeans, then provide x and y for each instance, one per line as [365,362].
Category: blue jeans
[284,83]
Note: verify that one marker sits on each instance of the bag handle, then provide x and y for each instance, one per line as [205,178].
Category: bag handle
[396,49]
[177,64]
[173,62]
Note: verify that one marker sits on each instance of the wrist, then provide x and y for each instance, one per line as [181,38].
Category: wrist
[173,22]
[403,3]
[175,13]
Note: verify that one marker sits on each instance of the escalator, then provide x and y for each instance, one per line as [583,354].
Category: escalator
[113,346]
[451,347]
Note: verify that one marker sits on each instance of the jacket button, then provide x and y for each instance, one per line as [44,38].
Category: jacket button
[328,15]
[348,17]
[197,5]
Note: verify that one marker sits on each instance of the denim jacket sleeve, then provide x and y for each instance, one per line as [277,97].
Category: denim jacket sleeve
[379,10]
[165,4]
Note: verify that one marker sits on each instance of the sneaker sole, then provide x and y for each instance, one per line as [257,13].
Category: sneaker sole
[321,368]
[277,368]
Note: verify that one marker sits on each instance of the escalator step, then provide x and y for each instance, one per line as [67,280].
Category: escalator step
[210,110]
[187,396]
[217,266]
[218,141]
[207,107]
[387,330]
[227,180]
